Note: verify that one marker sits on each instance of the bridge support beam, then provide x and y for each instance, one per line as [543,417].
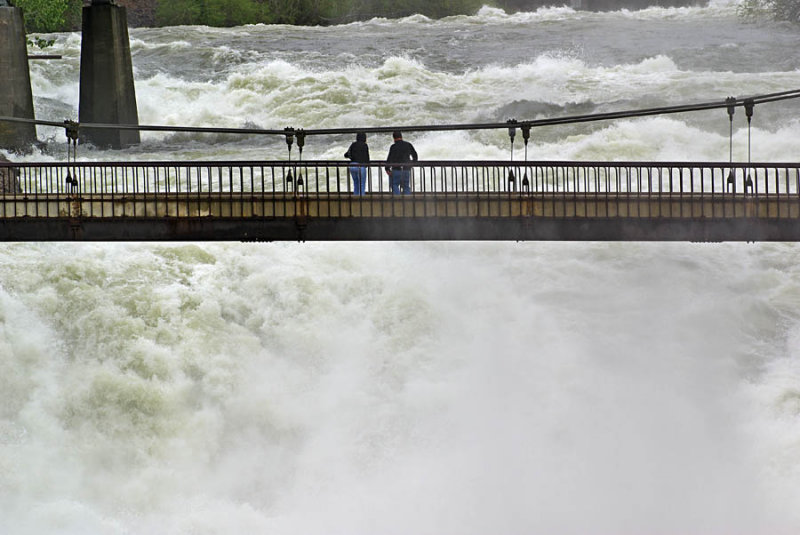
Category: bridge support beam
[397,229]
[16,99]
[107,93]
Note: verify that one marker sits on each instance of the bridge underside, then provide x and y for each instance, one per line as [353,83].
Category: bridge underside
[400,229]
[342,217]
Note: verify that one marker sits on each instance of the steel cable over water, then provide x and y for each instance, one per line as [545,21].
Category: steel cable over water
[728,103]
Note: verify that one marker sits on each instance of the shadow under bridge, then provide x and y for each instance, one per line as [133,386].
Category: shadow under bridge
[449,200]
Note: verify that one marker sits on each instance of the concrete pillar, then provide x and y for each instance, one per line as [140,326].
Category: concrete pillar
[16,99]
[107,91]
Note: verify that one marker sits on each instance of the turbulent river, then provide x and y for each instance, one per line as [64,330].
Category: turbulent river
[425,388]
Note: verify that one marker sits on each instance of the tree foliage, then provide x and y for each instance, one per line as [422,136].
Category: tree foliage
[788,10]
[43,16]
[62,15]
[232,12]
[47,16]
[178,12]
[364,9]
[236,12]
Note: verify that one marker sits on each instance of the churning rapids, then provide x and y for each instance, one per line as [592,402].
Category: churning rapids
[414,388]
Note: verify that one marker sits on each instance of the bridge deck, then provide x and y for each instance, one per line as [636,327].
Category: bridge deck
[456,201]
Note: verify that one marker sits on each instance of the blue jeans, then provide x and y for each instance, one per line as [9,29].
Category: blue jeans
[401,180]
[359,175]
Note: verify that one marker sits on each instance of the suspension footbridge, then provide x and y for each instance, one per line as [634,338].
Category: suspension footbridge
[266,201]
[449,200]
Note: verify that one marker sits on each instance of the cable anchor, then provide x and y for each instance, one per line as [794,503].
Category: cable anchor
[731,106]
[512,133]
[72,128]
[289,133]
[301,141]
[526,135]
[749,104]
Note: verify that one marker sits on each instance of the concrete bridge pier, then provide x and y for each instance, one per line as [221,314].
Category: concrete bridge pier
[107,94]
[16,99]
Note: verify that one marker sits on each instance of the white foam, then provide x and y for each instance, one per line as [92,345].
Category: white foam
[242,387]
[398,387]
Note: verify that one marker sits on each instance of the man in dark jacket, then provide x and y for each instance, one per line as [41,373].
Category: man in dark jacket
[358,153]
[400,152]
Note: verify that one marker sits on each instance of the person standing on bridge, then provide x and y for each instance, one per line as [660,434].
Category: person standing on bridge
[400,152]
[358,153]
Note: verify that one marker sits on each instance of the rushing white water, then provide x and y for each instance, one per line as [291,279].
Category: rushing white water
[414,388]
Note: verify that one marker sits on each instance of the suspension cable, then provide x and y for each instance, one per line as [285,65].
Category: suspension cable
[72,153]
[731,182]
[748,109]
[728,103]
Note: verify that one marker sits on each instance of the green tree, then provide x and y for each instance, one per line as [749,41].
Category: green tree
[178,12]
[233,12]
[44,16]
[361,9]
[73,14]
[285,11]
[788,10]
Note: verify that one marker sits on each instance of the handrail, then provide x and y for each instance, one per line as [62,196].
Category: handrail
[506,200]
[590,180]
[381,163]
[439,176]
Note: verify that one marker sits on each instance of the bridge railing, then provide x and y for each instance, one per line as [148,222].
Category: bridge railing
[315,178]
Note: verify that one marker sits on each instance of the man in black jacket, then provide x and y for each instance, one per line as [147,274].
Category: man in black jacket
[400,152]
[358,153]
